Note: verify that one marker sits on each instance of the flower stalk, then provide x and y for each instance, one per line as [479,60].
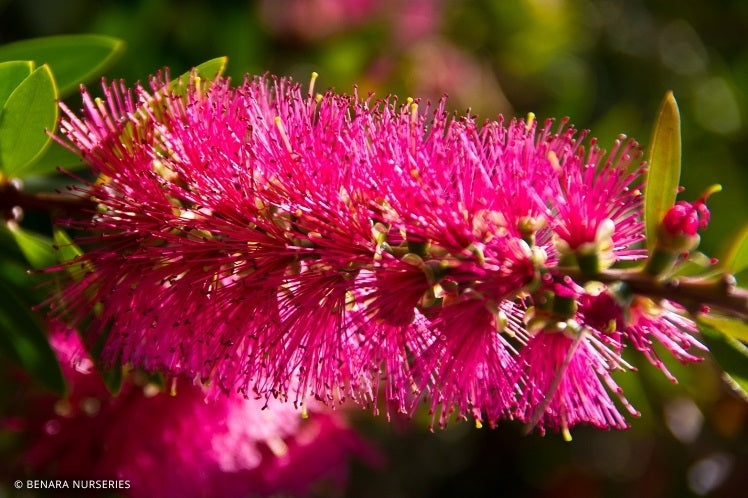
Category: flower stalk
[694,294]
[13,196]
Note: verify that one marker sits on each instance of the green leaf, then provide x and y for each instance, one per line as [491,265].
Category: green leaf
[24,340]
[12,73]
[74,59]
[730,354]
[30,111]
[208,70]
[697,263]
[35,247]
[663,172]
[736,259]
[737,329]
[55,156]
[66,248]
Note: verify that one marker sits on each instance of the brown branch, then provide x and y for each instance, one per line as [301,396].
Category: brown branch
[721,294]
[44,202]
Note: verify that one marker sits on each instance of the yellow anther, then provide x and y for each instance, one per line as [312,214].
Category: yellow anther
[553,158]
[100,106]
[478,424]
[318,97]
[197,81]
[566,434]
[530,120]
[284,136]
[304,412]
[311,82]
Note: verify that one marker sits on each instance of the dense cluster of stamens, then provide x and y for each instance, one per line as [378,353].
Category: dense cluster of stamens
[277,243]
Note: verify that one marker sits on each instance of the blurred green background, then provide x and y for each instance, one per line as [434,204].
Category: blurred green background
[606,65]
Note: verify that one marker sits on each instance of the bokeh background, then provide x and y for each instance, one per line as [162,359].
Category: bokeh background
[606,65]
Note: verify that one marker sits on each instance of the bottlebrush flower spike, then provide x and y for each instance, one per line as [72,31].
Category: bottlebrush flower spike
[277,244]
[565,366]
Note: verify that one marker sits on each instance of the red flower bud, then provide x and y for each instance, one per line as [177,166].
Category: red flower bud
[686,218]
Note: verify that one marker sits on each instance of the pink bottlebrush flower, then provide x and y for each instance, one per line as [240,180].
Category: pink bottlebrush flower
[564,369]
[181,444]
[598,204]
[279,245]
[664,323]
[566,382]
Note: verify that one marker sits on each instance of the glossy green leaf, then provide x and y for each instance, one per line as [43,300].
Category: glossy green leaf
[663,172]
[35,247]
[730,354]
[55,156]
[208,70]
[74,59]
[12,73]
[736,259]
[24,340]
[30,111]
[66,248]
[737,329]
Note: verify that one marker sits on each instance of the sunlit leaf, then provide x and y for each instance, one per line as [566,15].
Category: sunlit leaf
[29,112]
[23,340]
[737,329]
[736,259]
[730,354]
[67,250]
[74,59]
[697,263]
[35,247]
[12,73]
[664,167]
[208,71]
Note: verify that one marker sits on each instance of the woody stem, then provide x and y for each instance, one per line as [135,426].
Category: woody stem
[11,196]
[721,294]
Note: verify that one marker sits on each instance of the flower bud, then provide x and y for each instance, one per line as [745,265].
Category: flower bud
[679,227]
[678,231]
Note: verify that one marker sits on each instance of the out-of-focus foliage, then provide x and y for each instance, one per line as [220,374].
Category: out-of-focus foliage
[606,64]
